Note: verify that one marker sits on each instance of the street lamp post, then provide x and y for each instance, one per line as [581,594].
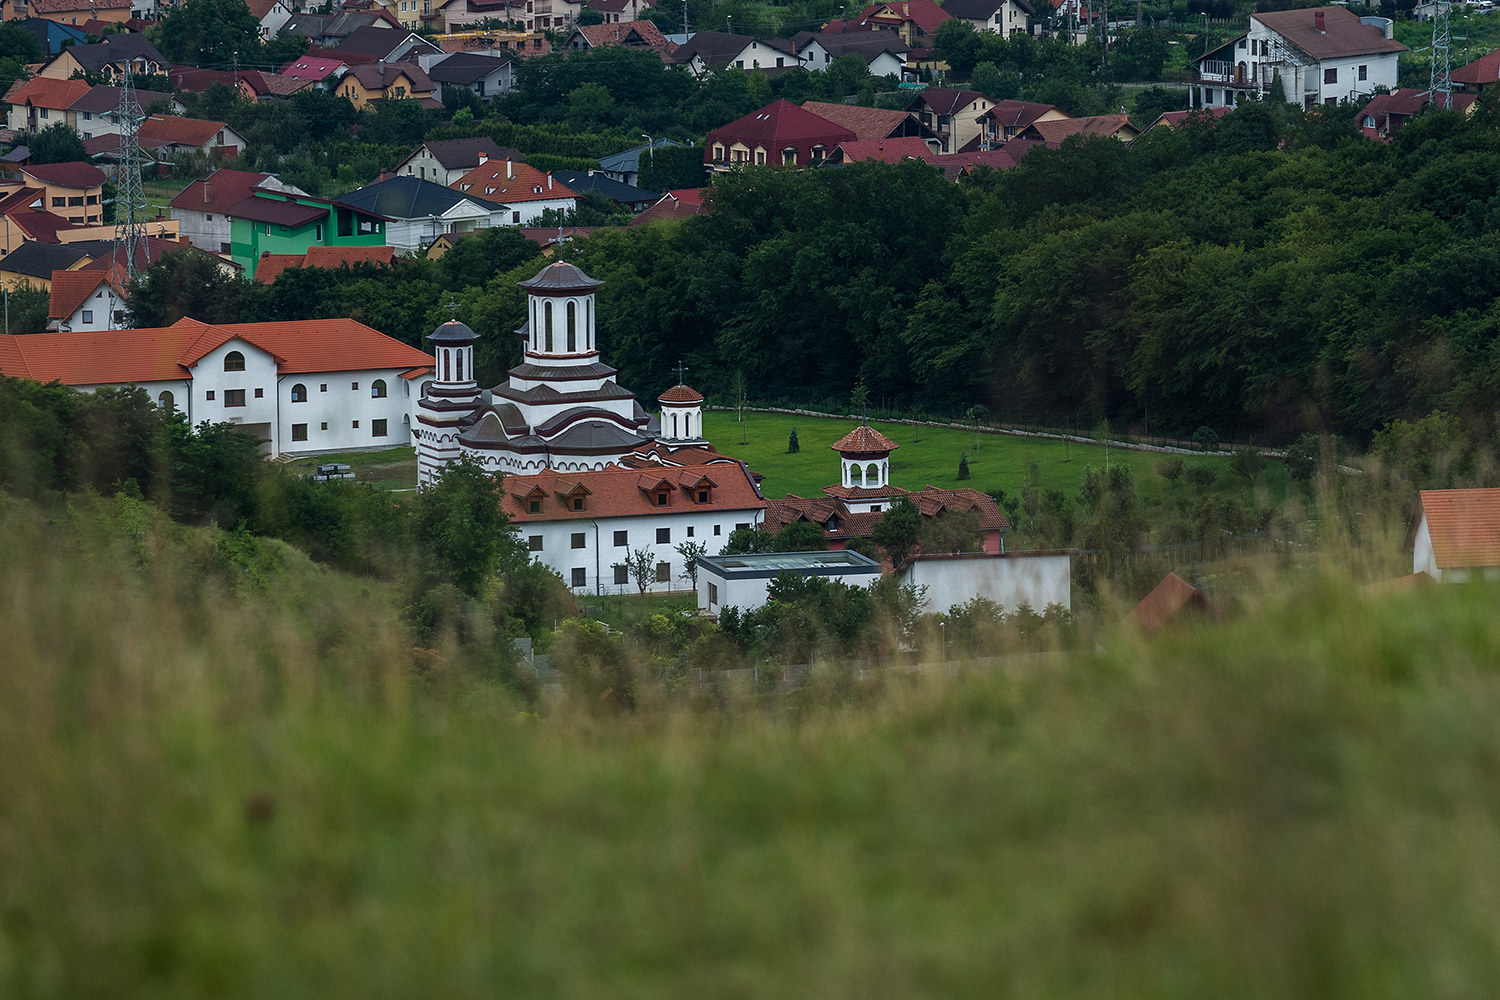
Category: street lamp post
[651,154]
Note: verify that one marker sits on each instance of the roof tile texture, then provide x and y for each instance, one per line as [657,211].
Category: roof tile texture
[1343,35]
[1464,526]
[621,492]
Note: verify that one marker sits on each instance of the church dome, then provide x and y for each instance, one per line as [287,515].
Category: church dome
[560,277]
[453,332]
[681,394]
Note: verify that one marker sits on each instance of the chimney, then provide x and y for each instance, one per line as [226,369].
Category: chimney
[182,241]
[208,191]
[549,180]
[1318,23]
[483,157]
[509,170]
[383,177]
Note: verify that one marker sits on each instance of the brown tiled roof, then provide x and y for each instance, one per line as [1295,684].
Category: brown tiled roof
[277,211]
[865,123]
[618,492]
[1464,526]
[1018,114]
[677,204]
[40,225]
[370,77]
[1485,69]
[510,182]
[932,501]
[864,440]
[681,394]
[946,101]
[453,154]
[70,289]
[76,6]
[260,8]
[624,33]
[45,92]
[1343,34]
[926,14]
[885,150]
[1164,603]
[1054,132]
[181,131]
[270,265]
[222,190]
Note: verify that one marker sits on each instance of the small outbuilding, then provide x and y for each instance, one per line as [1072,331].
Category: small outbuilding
[1456,535]
[743,581]
[1171,600]
[1035,579]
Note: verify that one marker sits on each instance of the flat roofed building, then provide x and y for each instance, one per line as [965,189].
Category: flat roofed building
[744,581]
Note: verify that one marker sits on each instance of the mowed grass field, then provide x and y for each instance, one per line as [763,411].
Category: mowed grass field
[999,463]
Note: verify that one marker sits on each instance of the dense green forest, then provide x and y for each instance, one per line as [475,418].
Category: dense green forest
[1268,274]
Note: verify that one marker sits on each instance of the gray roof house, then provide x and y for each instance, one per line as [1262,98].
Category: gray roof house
[485,75]
[446,160]
[597,182]
[626,167]
[419,211]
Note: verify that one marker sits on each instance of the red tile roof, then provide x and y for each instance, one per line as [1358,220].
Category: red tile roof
[946,101]
[1018,114]
[681,394]
[1485,69]
[371,77]
[510,182]
[169,353]
[885,150]
[221,191]
[70,289]
[314,68]
[926,14]
[621,492]
[270,265]
[277,211]
[775,126]
[1464,526]
[76,6]
[677,204]
[1389,111]
[70,175]
[1053,133]
[45,92]
[43,226]
[932,500]
[864,440]
[19,199]
[1343,34]
[620,33]
[1174,119]
[1166,601]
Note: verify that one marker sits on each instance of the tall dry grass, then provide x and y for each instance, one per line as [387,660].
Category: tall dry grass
[223,772]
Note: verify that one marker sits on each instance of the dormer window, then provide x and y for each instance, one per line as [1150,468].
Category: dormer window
[661,499]
[703,496]
[534,507]
[578,503]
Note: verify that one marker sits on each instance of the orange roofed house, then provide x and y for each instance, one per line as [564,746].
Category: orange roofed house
[524,190]
[307,387]
[1456,536]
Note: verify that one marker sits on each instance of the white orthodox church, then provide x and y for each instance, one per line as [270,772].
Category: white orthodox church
[561,408]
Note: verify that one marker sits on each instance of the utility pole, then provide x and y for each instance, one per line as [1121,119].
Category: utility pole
[130,235]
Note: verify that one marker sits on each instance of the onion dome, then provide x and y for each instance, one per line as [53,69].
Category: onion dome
[864,440]
[451,333]
[682,395]
[560,278]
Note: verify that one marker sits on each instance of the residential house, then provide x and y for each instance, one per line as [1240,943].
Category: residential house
[1477,75]
[483,74]
[540,15]
[252,85]
[71,190]
[69,12]
[681,203]
[1053,132]
[186,135]
[387,81]
[1388,112]
[33,262]
[417,211]
[107,58]
[201,209]
[271,265]
[1008,119]
[526,191]
[954,115]
[1456,536]
[708,50]
[780,133]
[446,160]
[626,167]
[1001,17]
[631,34]
[1172,600]
[305,387]
[272,15]
[551,238]
[24,217]
[883,51]
[276,222]
[35,104]
[1322,55]
[916,21]
[328,30]
[390,44]
[51,35]
[321,68]
[96,113]
[744,581]
[873,124]
[88,300]
[620,11]
[956,166]
[626,196]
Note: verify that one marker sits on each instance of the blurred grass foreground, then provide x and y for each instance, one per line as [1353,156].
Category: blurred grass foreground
[224,773]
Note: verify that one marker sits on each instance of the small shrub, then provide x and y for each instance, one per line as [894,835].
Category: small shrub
[1201,476]
[792,444]
[963,465]
[1170,469]
[1206,438]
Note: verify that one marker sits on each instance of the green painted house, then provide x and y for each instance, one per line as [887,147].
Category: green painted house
[271,222]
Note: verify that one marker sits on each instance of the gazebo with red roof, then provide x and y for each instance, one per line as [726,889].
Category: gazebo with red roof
[865,454]
[682,413]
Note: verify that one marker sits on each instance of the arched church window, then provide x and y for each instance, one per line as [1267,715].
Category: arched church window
[674,425]
[446,370]
[165,400]
[234,361]
[547,312]
[460,366]
[872,475]
[687,425]
[588,323]
[299,393]
[572,326]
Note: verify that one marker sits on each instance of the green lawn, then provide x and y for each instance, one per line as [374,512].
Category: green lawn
[392,469]
[1000,462]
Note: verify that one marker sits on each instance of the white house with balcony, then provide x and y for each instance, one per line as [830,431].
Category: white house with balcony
[1323,55]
